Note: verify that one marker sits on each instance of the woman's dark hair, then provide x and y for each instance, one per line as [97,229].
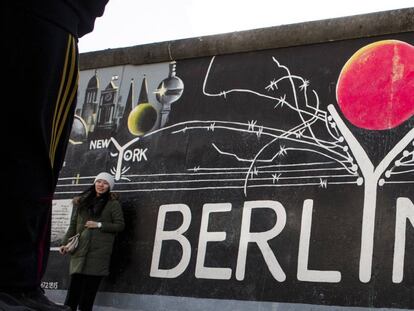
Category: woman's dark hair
[94,204]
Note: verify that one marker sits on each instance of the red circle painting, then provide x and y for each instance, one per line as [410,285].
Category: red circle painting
[375,88]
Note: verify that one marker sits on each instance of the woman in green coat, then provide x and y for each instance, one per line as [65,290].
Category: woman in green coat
[97,217]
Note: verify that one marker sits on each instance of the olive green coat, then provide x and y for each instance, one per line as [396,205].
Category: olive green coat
[93,254]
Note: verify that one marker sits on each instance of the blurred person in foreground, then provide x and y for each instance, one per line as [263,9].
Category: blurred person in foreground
[41,58]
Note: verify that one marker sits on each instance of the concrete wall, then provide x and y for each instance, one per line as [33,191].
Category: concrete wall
[269,169]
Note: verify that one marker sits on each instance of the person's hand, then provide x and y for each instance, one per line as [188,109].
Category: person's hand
[62,250]
[91,224]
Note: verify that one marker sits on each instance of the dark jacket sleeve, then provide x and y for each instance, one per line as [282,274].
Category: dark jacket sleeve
[72,226]
[117,224]
[87,12]
[75,16]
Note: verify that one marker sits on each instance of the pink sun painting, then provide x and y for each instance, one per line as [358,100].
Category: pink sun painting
[375,88]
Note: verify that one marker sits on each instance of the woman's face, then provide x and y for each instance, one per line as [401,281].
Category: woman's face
[101,186]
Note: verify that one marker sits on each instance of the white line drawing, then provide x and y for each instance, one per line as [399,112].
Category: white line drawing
[337,164]
[119,169]
[371,176]
[303,133]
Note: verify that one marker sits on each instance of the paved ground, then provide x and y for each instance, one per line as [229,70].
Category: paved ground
[100,308]
[59,297]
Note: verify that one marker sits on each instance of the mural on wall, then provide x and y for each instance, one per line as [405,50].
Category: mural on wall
[283,175]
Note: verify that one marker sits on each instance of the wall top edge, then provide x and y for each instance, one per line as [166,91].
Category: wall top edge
[342,28]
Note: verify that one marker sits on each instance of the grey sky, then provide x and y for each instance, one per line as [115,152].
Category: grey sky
[135,22]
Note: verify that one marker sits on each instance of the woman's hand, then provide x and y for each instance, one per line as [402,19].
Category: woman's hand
[62,250]
[91,224]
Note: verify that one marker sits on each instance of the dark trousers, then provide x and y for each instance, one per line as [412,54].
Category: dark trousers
[41,61]
[82,291]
